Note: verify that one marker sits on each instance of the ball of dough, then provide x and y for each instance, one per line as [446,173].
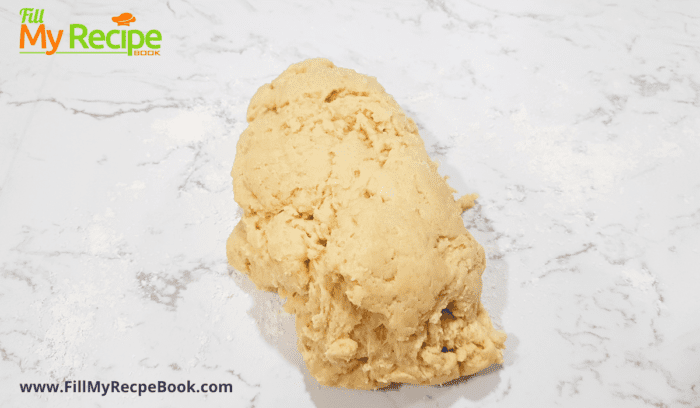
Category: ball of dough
[346,216]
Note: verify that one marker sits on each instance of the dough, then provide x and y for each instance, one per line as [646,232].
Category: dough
[346,217]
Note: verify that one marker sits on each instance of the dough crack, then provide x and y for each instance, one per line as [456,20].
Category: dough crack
[331,96]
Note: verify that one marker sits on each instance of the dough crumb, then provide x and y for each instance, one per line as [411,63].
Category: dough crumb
[467,201]
[347,218]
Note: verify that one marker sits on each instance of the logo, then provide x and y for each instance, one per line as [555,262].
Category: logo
[85,41]
[124,19]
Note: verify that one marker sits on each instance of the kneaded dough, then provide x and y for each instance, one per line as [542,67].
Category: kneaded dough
[346,217]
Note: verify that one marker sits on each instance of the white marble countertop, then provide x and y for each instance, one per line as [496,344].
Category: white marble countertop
[577,124]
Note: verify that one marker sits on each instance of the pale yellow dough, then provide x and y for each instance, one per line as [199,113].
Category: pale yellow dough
[346,216]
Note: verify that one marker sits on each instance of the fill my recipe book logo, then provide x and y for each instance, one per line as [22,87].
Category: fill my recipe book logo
[85,41]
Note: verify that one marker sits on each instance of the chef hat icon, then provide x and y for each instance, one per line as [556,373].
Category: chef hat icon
[124,19]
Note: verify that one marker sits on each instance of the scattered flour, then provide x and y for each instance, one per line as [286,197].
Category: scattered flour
[189,126]
[639,280]
[578,168]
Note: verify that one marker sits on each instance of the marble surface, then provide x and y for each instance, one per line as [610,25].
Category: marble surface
[578,124]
